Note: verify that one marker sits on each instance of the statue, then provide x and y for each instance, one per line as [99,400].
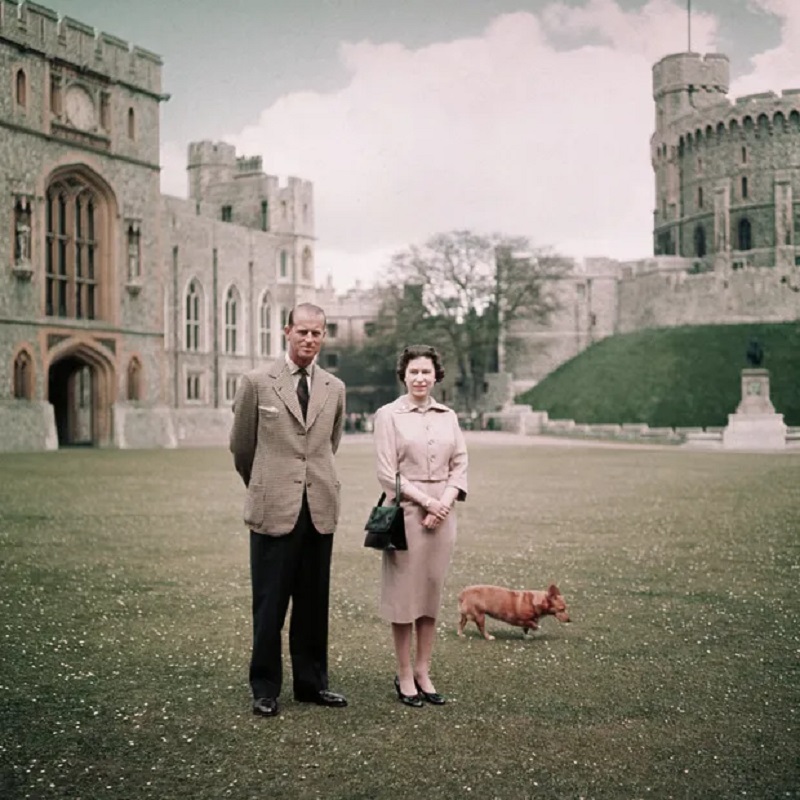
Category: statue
[22,235]
[755,353]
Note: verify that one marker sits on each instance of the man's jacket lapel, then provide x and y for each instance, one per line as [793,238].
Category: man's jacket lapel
[320,386]
[284,386]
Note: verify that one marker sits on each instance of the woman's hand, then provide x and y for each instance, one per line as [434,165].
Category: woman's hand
[438,509]
[430,522]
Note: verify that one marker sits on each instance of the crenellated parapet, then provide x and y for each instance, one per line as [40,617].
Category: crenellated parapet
[39,30]
[236,189]
[726,172]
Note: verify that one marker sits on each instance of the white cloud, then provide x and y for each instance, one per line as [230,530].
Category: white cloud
[778,68]
[173,169]
[538,127]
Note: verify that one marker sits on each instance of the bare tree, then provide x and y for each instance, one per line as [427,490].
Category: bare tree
[471,288]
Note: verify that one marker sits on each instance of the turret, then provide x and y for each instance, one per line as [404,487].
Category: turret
[209,163]
[687,82]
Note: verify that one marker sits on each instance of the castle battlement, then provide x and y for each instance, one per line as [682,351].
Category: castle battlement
[249,165]
[40,30]
[767,109]
[757,97]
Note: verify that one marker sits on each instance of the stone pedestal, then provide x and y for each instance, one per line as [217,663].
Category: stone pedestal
[755,425]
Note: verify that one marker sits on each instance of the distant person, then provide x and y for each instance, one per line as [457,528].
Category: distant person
[420,438]
[288,420]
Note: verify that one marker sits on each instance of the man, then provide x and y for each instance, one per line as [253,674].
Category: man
[287,425]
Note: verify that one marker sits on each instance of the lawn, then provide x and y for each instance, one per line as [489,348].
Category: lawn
[124,620]
[687,376]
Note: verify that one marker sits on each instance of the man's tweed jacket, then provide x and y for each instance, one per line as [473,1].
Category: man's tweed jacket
[278,455]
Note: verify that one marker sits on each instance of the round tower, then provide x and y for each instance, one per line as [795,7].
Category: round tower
[684,85]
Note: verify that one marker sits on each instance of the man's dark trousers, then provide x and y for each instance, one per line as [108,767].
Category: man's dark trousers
[295,566]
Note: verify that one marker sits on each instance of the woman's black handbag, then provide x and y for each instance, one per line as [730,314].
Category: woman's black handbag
[386,526]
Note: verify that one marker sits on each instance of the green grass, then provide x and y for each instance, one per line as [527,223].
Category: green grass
[124,635]
[671,377]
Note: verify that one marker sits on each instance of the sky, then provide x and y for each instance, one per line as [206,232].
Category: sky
[412,117]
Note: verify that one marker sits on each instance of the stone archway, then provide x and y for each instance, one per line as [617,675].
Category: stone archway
[80,381]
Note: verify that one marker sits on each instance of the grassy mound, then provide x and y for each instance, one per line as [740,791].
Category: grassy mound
[671,376]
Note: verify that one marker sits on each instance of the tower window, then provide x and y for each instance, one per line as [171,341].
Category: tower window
[745,234]
[699,196]
[264,215]
[744,187]
[744,155]
[131,124]
[55,94]
[21,89]
[105,111]
[227,213]
[700,241]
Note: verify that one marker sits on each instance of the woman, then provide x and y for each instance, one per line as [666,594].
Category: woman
[420,439]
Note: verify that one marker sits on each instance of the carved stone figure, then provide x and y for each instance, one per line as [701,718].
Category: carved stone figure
[23,241]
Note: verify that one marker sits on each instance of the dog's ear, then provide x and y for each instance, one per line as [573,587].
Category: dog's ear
[553,590]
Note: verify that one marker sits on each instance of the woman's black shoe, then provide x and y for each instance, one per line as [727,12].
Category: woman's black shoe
[413,700]
[434,698]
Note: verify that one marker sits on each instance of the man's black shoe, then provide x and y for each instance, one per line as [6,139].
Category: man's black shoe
[265,706]
[322,698]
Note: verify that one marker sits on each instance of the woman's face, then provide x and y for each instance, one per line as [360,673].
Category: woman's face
[420,377]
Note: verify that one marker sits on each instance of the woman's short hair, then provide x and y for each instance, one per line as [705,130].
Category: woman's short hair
[420,351]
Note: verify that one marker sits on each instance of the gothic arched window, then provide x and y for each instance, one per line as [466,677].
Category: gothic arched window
[232,320]
[192,316]
[75,252]
[265,326]
[284,323]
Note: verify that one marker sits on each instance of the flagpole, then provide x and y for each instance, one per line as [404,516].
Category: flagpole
[689,22]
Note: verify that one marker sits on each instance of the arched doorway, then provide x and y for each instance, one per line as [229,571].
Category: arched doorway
[79,387]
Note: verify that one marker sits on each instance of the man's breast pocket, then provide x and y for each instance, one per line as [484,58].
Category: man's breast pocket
[267,414]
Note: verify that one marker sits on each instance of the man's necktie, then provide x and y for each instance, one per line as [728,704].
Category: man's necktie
[302,391]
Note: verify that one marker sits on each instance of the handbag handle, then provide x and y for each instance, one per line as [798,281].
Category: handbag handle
[396,491]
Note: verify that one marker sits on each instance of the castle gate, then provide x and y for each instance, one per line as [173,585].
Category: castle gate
[80,382]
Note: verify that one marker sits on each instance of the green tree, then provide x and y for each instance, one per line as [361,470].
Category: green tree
[467,288]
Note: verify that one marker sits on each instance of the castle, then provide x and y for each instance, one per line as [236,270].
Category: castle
[725,223]
[127,317]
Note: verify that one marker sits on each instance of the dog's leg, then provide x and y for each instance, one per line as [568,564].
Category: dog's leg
[462,622]
[480,621]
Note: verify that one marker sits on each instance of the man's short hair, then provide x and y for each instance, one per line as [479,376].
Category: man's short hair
[309,308]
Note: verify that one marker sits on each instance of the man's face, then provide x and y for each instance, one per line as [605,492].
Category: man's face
[304,337]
